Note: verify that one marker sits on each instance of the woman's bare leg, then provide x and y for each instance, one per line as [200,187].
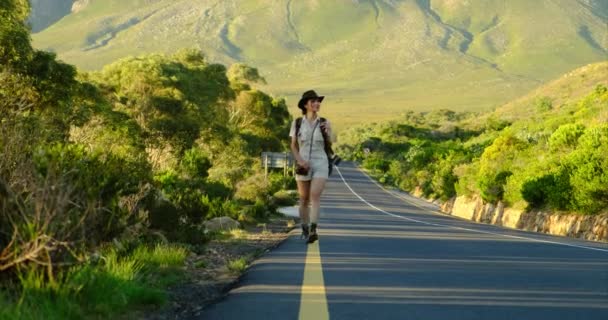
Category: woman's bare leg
[316,188]
[304,191]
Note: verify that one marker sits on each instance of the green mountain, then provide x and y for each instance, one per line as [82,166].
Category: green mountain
[45,13]
[373,59]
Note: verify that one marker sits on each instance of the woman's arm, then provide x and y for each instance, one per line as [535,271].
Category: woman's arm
[295,150]
[326,127]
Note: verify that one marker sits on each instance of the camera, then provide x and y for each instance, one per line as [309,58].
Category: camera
[335,160]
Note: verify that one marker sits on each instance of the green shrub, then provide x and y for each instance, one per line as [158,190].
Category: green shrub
[376,162]
[237,266]
[408,181]
[259,211]
[97,178]
[550,189]
[495,165]
[419,155]
[495,124]
[98,175]
[444,180]
[566,136]
[467,179]
[220,208]
[278,181]
[284,198]
[195,163]
[589,163]
[185,195]
[492,186]
[254,188]
[396,172]
[162,214]
[543,104]
[216,189]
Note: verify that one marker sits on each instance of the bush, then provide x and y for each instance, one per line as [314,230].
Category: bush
[550,189]
[396,172]
[194,234]
[408,181]
[216,189]
[419,155]
[163,214]
[254,188]
[424,182]
[543,104]
[220,208]
[444,181]
[376,162]
[495,165]
[566,136]
[186,195]
[467,179]
[492,186]
[195,164]
[259,211]
[97,175]
[237,266]
[70,195]
[284,198]
[589,163]
[280,182]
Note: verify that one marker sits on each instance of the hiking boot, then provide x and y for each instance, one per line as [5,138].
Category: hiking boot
[312,238]
[305,231]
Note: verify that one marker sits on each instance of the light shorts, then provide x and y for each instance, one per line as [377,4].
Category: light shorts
[319,168]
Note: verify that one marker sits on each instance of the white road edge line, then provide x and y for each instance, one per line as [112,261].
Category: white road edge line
[460,228]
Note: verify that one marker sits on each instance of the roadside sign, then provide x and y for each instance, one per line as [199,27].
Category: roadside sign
[283,160]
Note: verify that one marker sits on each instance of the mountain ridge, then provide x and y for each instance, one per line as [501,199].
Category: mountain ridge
[421,55]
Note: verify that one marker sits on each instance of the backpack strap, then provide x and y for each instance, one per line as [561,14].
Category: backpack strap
[327,140]
[298,125]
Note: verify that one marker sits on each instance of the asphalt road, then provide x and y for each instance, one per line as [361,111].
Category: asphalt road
[383,255]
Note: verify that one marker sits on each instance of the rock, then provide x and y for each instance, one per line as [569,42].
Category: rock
[222,223]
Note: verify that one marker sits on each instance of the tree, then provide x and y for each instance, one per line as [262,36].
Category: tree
[589,163]
[172,98]
[495,165]
[15,46]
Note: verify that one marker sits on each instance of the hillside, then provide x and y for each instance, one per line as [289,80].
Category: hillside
[373,59]
[45,13]
[561,92]
[546,150]
[555,98]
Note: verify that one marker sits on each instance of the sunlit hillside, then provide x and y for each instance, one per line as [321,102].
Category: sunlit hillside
[373,59]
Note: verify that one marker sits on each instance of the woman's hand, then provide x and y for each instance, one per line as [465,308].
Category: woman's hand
[304,164]
[326,127]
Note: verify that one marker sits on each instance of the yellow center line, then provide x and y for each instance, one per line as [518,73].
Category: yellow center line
[313,301]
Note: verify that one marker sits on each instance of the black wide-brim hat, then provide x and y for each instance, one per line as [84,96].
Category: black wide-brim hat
[310,94]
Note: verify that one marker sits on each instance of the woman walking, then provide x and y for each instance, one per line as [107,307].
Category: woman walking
[308,135]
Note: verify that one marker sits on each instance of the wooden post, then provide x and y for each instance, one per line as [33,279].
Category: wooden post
[266,166]
[285,165]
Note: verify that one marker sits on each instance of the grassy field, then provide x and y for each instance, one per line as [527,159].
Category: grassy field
[373,59]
